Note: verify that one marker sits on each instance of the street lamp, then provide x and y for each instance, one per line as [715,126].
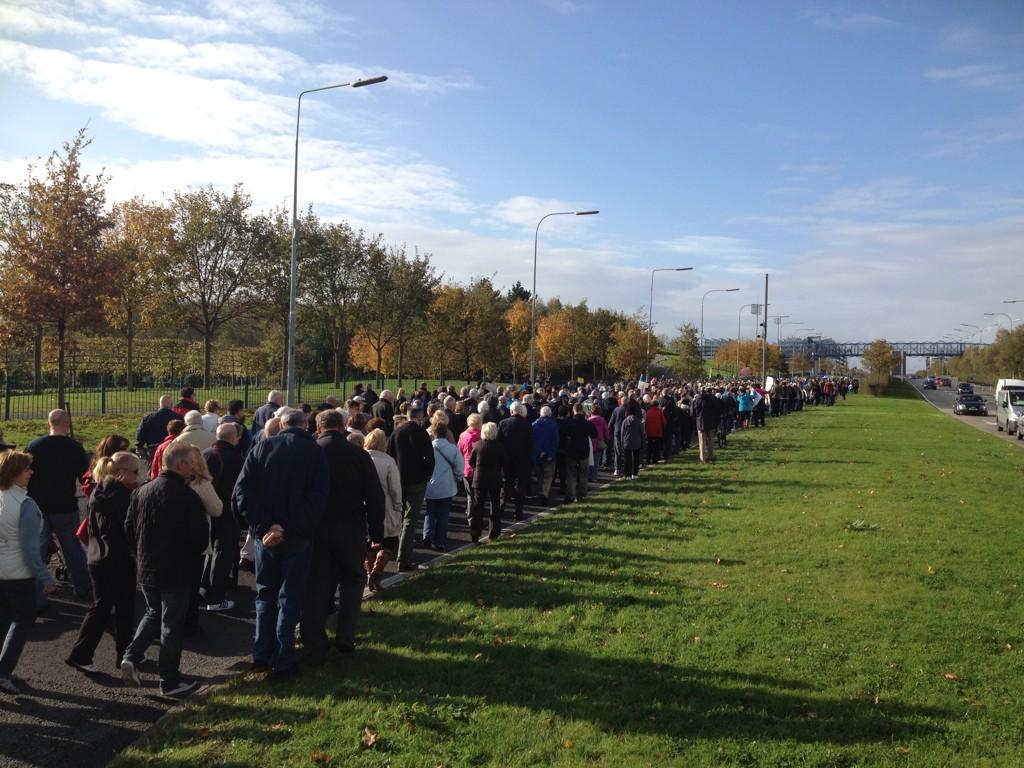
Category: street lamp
[977,329]
[650,311]
[739,332]
[295,227]
[778,326]
[1002,314]
[533,296]
[713,290]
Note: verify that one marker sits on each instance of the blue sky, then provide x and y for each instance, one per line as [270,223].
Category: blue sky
[867,156]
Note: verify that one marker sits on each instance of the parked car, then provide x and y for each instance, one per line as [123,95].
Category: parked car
[929,383]
[970,403]
[965,388]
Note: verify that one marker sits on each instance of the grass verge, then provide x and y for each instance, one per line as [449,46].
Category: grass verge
[840,589]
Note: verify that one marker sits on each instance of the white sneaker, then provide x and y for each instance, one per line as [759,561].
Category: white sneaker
[180,689]
[130,673]
[227,605]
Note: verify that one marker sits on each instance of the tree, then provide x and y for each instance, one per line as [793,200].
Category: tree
[517,292]
[552,340]
[687,362]
[210,261]
[517,325]
[54,269]
[471,321]
[335,257]
[137,243]
[880,358]
[628,352]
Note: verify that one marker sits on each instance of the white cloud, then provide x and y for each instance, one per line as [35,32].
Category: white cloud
[31,19]
[840,18]
[884,195]
[525,212]
[981,76]
[709,246]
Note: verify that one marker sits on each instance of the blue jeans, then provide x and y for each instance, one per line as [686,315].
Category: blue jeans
[435,526]
[64,526]
[17,615]
[281,573]
[164,616]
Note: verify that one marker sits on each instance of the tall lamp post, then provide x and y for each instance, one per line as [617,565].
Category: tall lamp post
[1002,314]
[533,296]
[713,290]
[650,311]
[739,331]
[977,329]
[295,227]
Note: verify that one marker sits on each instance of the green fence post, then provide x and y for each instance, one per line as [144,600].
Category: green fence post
[298,391]
[245,393]
[7,395]
[103,395]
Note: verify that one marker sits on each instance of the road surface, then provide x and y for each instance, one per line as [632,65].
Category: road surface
[943,398]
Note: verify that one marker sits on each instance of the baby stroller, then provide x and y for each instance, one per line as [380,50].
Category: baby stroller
[60,571]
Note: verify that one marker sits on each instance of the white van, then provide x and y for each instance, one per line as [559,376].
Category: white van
[1009,404]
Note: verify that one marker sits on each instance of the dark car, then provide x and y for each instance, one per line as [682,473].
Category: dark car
[944,381]
[965,388]
[970,403]
[929,383]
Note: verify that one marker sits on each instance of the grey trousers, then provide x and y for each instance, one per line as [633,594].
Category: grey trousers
[412,501]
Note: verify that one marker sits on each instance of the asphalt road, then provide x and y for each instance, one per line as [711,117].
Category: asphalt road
[65,718]
[943,398]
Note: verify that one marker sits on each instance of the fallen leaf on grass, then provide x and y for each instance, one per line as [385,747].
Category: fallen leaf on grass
[477,657]
[719,585]
[952,676]
[568,743]
[369,739]
[320,758]
[902,750]
[278,727]
[204,733]
[931,570]
[811,715]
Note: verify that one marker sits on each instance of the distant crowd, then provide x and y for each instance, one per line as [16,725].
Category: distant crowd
[318,501]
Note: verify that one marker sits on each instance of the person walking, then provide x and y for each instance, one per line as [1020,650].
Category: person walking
[355,509]
[449,469]
[211,416]
[111,560]
[706,415]
[266,411]
[545,450]
[195,433]
[153,428]
[601,441]
[410,446]
[469,437]
[489,460]
[380,553]
[282,492]
[21,567]
[156,466]
[106,448]
[224,462]
[166,526]
[631,436]
[655,424]
[58,462]
[615,429]
[384,409]
[576,435]
[516,434]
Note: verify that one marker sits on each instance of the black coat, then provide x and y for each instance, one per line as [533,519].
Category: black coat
[284,481]
[57,464]
[166,526]
[153,427]
[516,434]
[356,499]
[410,447]
[224,461]
[108,508]
[488,460]
[574,437]
[383,409]
[707,411]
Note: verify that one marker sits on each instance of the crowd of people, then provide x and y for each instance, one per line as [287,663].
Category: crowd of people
[324,497]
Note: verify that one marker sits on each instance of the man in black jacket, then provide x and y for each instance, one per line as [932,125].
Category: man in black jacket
[166,526]
[58,461]
[575,435]
[224,460]
[384,409]
[282,492]
[355,508]
[153,427]
[707,412]
[516,434]
[410,446]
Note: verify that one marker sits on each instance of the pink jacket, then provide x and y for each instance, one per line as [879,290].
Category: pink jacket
[602,429]
[466,442]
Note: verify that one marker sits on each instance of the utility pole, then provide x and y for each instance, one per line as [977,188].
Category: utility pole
[764,335]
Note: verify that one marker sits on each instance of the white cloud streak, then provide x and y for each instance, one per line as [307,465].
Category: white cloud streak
[978,76]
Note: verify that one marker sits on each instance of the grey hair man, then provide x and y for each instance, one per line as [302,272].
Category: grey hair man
[275,400]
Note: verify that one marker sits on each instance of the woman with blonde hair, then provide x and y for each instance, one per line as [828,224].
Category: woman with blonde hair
[107,447]
[489,459]
[379,554]
[21,563]
[449,469]
[110,559]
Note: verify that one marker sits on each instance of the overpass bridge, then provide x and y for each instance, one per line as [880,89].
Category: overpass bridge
[819,348]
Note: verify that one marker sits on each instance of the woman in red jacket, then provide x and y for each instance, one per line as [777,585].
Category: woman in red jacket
[654,427]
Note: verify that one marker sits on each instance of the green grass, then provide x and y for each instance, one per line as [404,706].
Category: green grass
[720,615]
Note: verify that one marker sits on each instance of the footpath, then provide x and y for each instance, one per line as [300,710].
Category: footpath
[66,718]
